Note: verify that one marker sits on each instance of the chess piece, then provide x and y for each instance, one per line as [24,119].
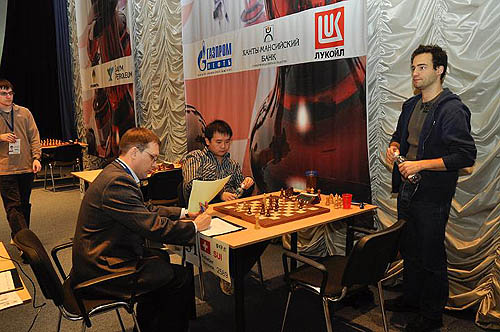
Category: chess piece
[362,205]
[249,211]
[257,221]
[268,212]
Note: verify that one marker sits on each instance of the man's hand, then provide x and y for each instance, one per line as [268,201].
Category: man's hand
[410,167]
[227,196]
[247,183]
[8,137]
[192,215]
[391,154]
[36,166]
[202,221]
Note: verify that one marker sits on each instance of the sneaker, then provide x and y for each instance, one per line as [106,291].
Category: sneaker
[226,287]
[399,305]
[423,324]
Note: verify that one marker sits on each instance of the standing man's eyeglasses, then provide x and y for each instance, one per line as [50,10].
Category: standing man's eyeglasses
[5,94]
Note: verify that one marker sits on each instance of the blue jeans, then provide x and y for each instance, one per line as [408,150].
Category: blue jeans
[422,248]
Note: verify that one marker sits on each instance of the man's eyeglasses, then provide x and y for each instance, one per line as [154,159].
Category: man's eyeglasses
[5,94]
[153,157]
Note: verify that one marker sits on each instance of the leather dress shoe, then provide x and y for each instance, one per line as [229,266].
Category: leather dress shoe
[423,324]
[399,305]
[226,287]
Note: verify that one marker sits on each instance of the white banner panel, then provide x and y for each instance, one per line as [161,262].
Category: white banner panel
[115,72]
[215,256]
[324,33]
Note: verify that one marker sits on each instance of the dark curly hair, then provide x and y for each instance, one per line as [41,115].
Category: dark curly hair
[439,56]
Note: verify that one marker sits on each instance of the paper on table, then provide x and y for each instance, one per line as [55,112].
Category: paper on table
[219,226]
[9,300]
[205,191]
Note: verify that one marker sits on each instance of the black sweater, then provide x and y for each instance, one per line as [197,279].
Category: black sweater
[445,134]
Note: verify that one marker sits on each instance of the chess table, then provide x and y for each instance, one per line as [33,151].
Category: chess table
[250,235]
[287,210]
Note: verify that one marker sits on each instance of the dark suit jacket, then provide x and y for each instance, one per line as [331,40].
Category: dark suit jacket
[112,227]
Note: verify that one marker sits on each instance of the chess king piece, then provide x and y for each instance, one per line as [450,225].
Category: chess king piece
[414,178]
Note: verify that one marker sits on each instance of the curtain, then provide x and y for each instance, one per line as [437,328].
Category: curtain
[64,70]
[3,19]
[159,73]
[469,32]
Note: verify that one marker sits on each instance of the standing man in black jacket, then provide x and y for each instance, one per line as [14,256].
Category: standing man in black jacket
[433,134]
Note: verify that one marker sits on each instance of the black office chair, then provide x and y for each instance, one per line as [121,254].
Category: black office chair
[333,277]
[62,156]
[70,301]
[162,187]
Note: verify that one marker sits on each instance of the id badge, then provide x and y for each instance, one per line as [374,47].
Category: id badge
[15,148]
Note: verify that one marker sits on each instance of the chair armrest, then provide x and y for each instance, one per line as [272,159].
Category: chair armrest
[308,261]
[288,255]
[362,229]
[81,287]
[102,279]
[54,252]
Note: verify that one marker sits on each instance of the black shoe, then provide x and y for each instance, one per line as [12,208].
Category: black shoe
[24,258]
[423,324]
[399,305]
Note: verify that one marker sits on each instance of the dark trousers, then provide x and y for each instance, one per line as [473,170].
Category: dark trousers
[422,248]
[169,307]
[15,190]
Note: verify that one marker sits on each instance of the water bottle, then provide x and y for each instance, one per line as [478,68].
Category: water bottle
[414,178]
[240,190]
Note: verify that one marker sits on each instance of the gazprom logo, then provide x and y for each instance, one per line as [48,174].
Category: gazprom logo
[329,26]
[215,57]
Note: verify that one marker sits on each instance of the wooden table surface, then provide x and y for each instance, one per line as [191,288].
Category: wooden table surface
[8,265]
[251,235]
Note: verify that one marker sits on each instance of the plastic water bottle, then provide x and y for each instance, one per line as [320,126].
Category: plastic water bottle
[240,190]
[414,178]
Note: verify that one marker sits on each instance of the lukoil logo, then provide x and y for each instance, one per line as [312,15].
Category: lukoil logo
[329,26]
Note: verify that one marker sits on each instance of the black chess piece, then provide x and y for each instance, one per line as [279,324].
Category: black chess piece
[361,205]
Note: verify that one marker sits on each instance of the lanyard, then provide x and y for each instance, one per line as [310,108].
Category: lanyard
[11,124]
[125,167]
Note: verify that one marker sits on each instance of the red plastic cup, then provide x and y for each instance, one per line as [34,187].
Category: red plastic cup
[346,201]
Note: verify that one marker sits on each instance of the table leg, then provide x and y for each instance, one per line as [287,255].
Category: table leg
[293,248]
[190,267]
[239,290]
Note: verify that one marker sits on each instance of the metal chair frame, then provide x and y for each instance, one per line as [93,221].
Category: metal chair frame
[62,294]
[354,265]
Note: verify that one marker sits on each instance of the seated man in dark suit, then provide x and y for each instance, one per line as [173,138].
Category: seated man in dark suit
[113,226]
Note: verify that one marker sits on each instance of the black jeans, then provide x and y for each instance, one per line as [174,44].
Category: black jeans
[422,247]
[15,190]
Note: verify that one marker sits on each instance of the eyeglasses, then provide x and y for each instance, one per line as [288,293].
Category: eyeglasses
[5,94]
[153,157]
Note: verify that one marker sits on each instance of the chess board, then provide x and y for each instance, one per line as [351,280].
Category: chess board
[287,211]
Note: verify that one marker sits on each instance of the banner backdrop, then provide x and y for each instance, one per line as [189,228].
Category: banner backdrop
[289,77]
[106,68]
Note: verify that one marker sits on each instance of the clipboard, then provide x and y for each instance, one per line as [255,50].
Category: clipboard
[18,285]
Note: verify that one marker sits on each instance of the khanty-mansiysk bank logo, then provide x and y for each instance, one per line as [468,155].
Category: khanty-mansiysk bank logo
[329,31]
[215,57]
